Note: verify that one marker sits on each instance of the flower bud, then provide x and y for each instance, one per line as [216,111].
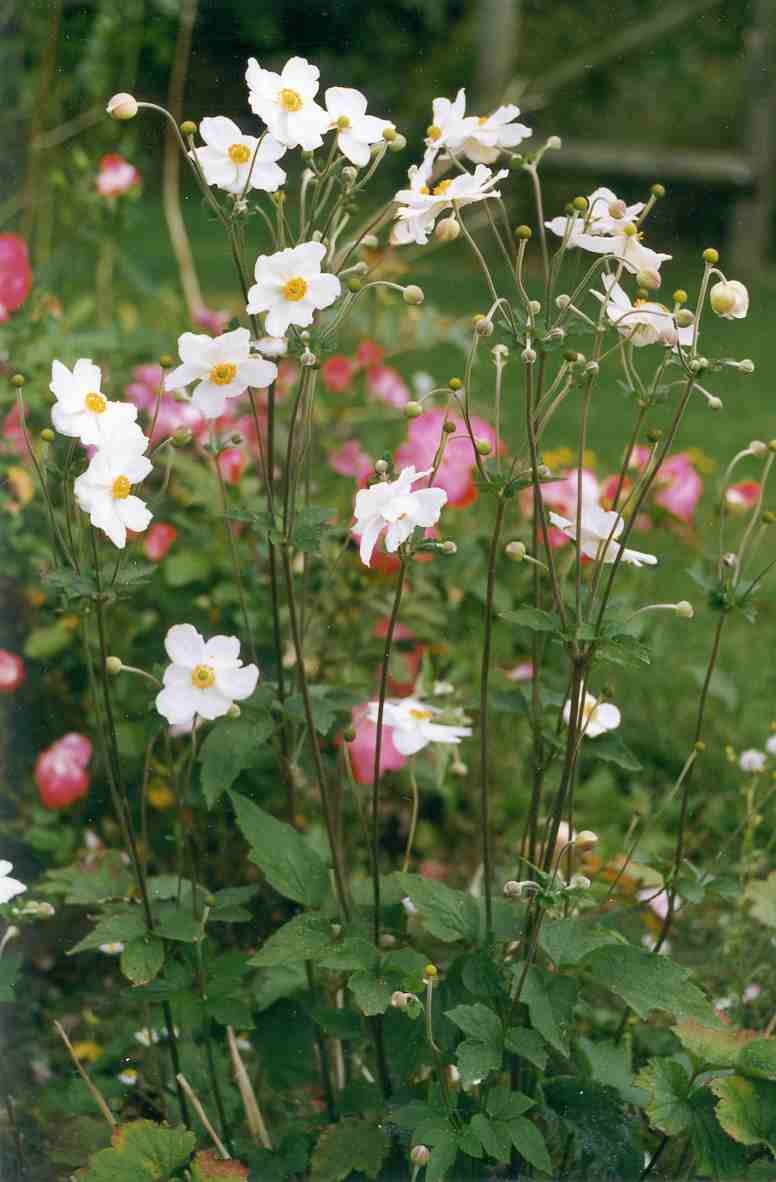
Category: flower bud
[515,551]
[387,940]
[658,191]
[684,609]
[431,971]
[122,106]
[448,427]
[556,334]
[166,361]
[729,561]
[413,294]
[349,174]
[746,365]
[369,242]
[554,143]
[710,256]
[308,359]
[389,134]
[528,355]
[420,1155]
[398,143]
[234,711]
[714,403]
[483,327]
[649,278]
[47,435]
[182,437]
[534,307]
[448,547]
[513,889]
[411,410]
[579,882]
[562,301]
[580,204]
[483,447]
[756,448]
[353,283]
[679,296]
[523,233]
[571,356]
[722,298]
[113,665]
[684,318]
[188,128]
[447,230]
[399,1000]
[586,840]
[698,364]
[768,517]
[349,734]
[455,384]
[381,467]
[500,354]
[654,434]
[17,380]
[592,368]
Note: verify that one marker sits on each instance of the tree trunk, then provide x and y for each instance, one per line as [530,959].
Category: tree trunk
[497,33]
[753,213]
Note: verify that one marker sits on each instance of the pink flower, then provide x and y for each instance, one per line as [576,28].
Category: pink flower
[158,540]
[213,321]
[231,464]
[524,671]
[116,176]
[61,771]
[173,415]
[742,496]
[337,373]
[678,486]
[362,748]
[752,992]
[12,431]
[387,384]
[351,460]
[288,373]
[15,274]
[369,353]
[406,658]
[458,461]
[12,671]
[561,496]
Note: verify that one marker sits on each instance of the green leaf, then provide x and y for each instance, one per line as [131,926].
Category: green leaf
[447,914]
[10,964]
[46,642]
[174,922]
[762,897]
[494,1136]
[444,1151]
[529,1142]
[71,585]
[231,746]
[184,567]
[550,998]
[747,1109]
[285,980]
[289,864]
[478,1021]
[371,993]
[605,1135]
[712,1046]
[528,1044]
[142,959]
[141,1152]
[304,937]
[716,1153]
[758,1059]
[611,749]
[353,953]
[533,618]
[610,1062]
[626,651]
[568,941]
[667,1085]
[504,1104]
[350,1145]
[117,926]
[97,882]
[477,1059]
[646,982]
[309,525]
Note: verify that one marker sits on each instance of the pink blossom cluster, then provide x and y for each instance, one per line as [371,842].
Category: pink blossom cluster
[61,771]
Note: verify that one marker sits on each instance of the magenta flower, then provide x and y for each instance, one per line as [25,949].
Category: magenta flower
[456,469]
[116,176]
[15,274]
[61,771]
[158,540]
[337,373]
[387,384]
[351,460]
[12,672]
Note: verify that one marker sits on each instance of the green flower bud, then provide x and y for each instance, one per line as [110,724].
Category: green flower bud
[710,256]
[413,294]
[523,232]
[188,128]
[47,435]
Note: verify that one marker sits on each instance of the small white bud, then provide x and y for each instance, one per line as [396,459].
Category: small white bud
[713,402]
[381,467]
[698,364]
[447,230]
[556,334]
[592,367]
[562,301]
[745,366]
[234,711]
[420,1155]
[684,609]
[534,307]
[500,354]
[448,548]
[729,561]
[513,889]
[369,242]
[554,143]
[617,209]
[515,550]
[648,277]
[484,327]
[684,317]
[586,840]
[528,355]
[579,882]
[400,1000]
[413,294]
[387,940]
[758,448]
[122,106]
[349,174]
[308,359]
[113,665]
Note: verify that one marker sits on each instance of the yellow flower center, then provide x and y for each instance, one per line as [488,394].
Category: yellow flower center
[202,677]
[290,100]
[482,119]
[433,132]
[295,289]
[424,189]
[420,715]
[343,123]
[160,796]
[96,403]
[121,488]
[223,373]
[442,187]
[239,153]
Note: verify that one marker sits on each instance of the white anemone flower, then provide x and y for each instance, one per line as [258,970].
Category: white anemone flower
[606,212]
[597,717]
[597,525]
[729,299]
[642,322]
[356,131]
[291,288]
[104,490]
[222,367]
[413,727]
[286,102]
[418,175]
[752,760]
[609,227]
[9,887]
[493,133]
[420,207]
[450,125]
[393,506]
[233,161]
[81,410]
[205,678]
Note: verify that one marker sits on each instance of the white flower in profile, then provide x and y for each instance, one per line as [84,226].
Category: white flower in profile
[493,133]
[609,227]
[222,367]
[770,745]
[205,677]
[272,346]
[597,717]
[290,287]
[356,131]
[450,125]
[413,727]
[81,411]
[114,948]
[104,490]
[393,506]
[606,212]
[419,207]
[286,102]
[643,322]
[597,526]
[752,760]
[9,887]
[729,299]
[418,175]
[232,161]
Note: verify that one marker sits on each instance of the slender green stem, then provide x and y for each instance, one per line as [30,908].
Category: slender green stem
[413,817]
[490,589]
[233,552]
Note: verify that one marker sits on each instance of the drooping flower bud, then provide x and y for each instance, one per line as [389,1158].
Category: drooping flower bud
[729,300]
[586,840]
[420,1155]
[413,295]
[684,609]
[411,410]
[513,889]
[447,230]
[113,665]
[515,551]
[122,106]
[649,278]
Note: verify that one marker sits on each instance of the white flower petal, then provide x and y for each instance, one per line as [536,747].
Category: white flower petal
[185,646]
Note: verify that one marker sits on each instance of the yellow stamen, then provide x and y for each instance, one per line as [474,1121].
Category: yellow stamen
[442,187]
[483,119]
[343,123]
[202,677]
[295,289]
[424,189]
[239,153]
[223,373]
[95,402]
[290,100]
[121,488]
[433,132]
[421,715]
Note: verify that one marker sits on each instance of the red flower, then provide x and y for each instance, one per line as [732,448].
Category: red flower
[212,320]
[158,540]
[369,353]
[116,176]
[231,464]
[337,373]
[61,771]
[387,384]
[362,748]
[15,274]
[12,671]
[406,658]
